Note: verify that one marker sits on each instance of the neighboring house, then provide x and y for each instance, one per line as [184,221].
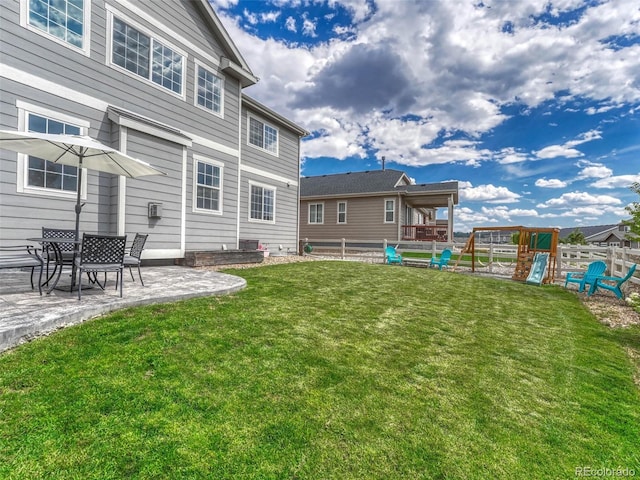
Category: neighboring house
[604,235]
[163,82]
[375,205]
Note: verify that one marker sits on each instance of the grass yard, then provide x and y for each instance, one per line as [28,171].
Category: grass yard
[328,370]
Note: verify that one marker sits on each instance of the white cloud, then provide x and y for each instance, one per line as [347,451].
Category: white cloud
[551,183]
[616,181]
[250,17]
[599,171]
[290,24]
[554,151]
[269,17]
[308,27]
[489,194]
[575,199]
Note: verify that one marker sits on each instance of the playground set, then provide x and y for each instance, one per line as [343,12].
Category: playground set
[537,252]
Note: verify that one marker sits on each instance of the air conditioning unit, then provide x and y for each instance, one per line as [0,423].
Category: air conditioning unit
[155,210]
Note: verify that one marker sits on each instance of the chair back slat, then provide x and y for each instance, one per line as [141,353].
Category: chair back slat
[102,249]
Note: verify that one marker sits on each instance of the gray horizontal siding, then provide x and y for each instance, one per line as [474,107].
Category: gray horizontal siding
[211,231]
[34,53]
[285,164]
[283,231]
[167,157]
[365,220]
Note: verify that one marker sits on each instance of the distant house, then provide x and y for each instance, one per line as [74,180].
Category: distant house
[604,235]
[164,82]
[375,205]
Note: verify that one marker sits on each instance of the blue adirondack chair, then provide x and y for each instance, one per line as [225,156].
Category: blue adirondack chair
[391,256]
[595,269]
[614,286]
[443,261]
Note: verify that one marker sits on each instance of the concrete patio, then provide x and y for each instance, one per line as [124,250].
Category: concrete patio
[24,314]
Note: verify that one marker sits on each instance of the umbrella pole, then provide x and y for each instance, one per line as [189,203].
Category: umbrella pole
[78,208]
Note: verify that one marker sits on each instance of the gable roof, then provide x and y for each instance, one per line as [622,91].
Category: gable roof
[253,104]
[386,181]
[235,64]
[588,231]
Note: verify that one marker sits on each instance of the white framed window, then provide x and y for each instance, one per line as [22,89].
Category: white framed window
[316,213]
[262,203]
[41,177]
[342,212]
[66,22]
[389,210]
[209,90]
[263,135]
[138,52]
[207,188]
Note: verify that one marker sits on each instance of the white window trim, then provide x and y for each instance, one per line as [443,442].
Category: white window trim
[194,204]
[262,149]
[111,12]
[275,193]
[86,25]
[215,72]
[338,213]
[22,170]
[385,210]
[309,213]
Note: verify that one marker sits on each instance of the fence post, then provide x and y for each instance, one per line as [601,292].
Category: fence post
[384,249]
[344,244]
[559,256]
[490,269]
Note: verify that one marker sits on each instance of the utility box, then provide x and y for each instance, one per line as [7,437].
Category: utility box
[155,210]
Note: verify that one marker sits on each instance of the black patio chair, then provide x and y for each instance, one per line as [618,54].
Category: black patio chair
[101,253]
[66,249]
[132,258]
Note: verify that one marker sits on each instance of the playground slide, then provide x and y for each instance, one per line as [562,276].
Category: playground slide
[538,269]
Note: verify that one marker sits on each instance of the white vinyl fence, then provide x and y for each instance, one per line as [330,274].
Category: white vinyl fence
[489,257]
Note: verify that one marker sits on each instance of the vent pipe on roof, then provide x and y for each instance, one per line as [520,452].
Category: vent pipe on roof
[383,159]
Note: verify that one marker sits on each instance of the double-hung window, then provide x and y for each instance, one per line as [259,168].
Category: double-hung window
[316,213]
[263,135]
[65,21]
[208,90]
[43,174]
[208,188]
[262,206]
[342,212]
[389,211]
[146,56]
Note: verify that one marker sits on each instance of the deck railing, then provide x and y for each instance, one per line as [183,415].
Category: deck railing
[424,233]
[489,257]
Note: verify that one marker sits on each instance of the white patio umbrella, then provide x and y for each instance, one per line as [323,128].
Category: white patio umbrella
[78,151]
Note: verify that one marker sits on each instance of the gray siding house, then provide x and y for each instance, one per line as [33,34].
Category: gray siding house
[162,82]
[375,205]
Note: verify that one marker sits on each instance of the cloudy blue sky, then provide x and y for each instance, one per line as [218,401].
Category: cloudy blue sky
[533,106]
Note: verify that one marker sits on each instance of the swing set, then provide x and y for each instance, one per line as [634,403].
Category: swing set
[530,242]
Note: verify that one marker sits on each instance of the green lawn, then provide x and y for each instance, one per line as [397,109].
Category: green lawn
[328,370]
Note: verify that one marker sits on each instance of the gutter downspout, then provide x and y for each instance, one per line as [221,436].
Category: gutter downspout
[450,222]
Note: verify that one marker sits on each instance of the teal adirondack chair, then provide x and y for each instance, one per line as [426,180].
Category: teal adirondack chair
[443,261]
[595,269]
[614,286]
[391,256]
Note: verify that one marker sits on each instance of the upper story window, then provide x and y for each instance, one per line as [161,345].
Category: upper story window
[389,211]
[263,135]
[316,213]
[209,90]
[342,212]
[146,56]
[64,21]
[262,203]
[208,189]
[43,173]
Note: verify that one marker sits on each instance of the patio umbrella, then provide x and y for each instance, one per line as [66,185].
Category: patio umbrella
[79,151]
